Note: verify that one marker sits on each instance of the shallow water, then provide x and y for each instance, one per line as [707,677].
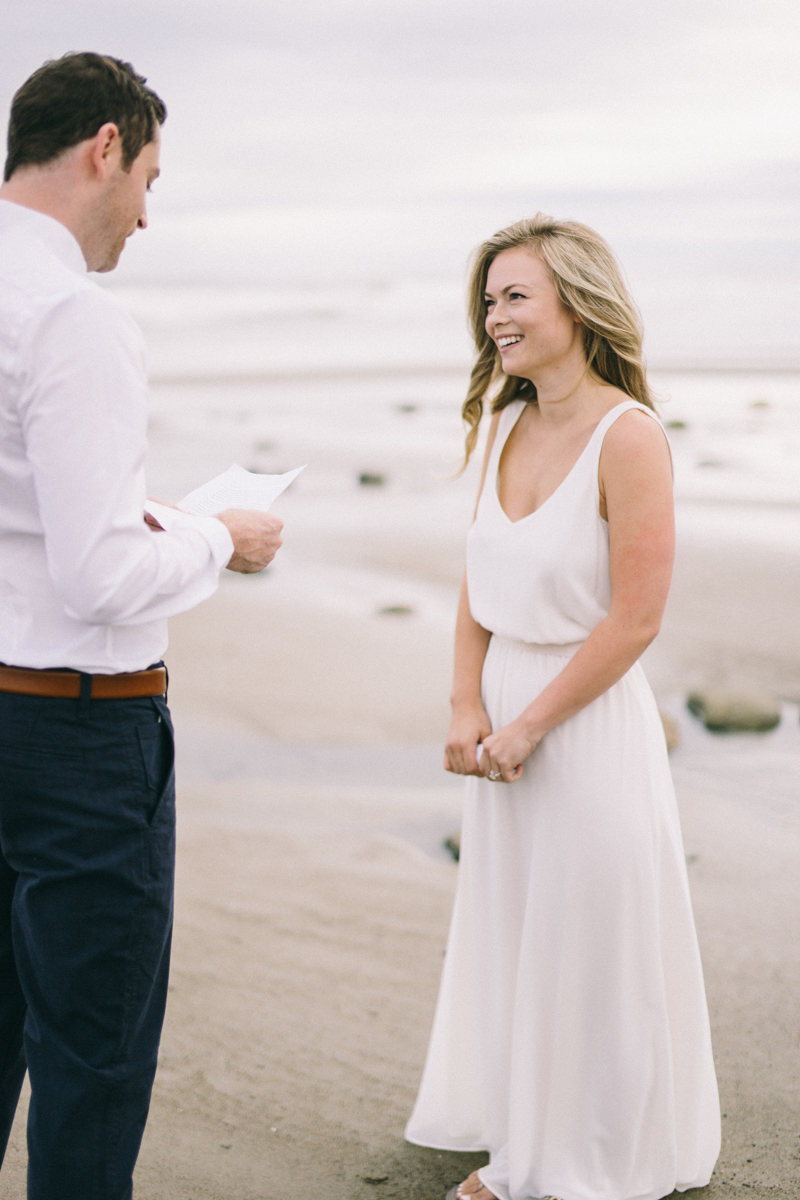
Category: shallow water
[735,441]
[760,772]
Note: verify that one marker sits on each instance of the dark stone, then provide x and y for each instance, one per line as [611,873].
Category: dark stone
[735,712]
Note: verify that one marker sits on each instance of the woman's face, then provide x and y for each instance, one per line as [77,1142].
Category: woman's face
[525,317]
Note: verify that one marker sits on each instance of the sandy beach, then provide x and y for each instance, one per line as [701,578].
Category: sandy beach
[326,172]
[314,893]
[314,890]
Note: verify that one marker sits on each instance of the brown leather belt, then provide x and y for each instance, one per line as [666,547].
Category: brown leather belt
[66,685]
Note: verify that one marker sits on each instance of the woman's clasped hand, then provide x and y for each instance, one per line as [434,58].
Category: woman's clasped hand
[472,748]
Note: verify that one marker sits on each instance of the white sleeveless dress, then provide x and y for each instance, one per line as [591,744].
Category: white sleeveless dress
[571,1037]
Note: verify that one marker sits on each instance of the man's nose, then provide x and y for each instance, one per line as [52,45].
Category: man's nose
[142,222]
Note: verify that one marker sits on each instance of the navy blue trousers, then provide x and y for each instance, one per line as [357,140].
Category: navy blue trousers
[87,850]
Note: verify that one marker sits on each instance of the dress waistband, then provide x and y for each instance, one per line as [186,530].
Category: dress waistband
[565,650]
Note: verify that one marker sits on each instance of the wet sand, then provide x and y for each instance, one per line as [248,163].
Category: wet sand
[312,911]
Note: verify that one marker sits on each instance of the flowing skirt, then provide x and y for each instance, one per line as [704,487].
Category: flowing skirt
[571,1037]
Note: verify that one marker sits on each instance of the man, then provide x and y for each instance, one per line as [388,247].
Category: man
[86,782]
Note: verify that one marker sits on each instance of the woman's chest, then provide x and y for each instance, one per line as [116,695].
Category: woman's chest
[555,561]
[534,464]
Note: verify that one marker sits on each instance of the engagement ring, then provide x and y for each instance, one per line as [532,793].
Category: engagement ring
[495,775]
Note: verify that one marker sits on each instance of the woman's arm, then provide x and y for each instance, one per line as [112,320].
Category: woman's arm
[636,482]
[469,724]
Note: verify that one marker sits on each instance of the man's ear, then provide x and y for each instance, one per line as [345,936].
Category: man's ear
[106,150]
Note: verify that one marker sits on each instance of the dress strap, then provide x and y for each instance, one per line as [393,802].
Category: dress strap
[609,419]
[611,416]
[508,419]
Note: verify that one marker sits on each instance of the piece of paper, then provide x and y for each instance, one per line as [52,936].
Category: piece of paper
[234,488]
[237,488]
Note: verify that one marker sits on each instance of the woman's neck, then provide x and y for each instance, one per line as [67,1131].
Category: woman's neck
[569,392]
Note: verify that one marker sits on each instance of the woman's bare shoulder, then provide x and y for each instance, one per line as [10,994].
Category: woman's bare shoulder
[635,432]
[635,460]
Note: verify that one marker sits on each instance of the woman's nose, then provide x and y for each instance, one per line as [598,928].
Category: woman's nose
[496,317]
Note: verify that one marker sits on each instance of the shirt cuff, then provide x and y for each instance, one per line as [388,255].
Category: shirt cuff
[215,533]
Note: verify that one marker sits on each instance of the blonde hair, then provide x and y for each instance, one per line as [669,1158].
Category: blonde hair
[589,283]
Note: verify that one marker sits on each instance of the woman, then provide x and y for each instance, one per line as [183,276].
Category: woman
[571,1036]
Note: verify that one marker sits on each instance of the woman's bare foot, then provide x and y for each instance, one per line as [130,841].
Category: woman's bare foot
[474,1189]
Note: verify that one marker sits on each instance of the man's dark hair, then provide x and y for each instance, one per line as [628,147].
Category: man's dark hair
[68,99]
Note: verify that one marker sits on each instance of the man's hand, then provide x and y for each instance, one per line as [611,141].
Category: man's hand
[256,538]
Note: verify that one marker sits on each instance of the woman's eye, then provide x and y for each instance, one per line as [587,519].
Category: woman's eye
[488,302]
[516,296]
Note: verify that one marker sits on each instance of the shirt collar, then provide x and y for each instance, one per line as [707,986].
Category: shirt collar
[48,230]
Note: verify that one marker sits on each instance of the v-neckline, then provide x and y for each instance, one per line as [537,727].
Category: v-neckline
[568,475]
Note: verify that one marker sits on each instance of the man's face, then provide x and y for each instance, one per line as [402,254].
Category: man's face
[124,207]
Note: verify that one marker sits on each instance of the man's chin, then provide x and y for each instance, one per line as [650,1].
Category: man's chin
[109,261]
[108,265]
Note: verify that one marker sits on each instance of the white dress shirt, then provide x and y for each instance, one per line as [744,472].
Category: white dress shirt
[83,582]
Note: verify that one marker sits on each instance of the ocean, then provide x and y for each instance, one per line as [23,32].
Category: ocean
[338,337]
[327,168]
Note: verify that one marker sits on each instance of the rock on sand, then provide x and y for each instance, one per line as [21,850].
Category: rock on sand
[728,712]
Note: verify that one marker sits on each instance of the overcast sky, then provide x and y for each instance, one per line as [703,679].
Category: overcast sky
[338,143]
[342,100]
